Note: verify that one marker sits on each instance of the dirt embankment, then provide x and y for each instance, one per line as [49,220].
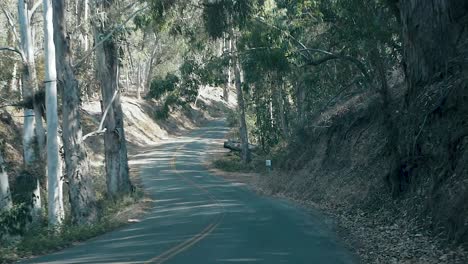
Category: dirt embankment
[340,162]
[141,128]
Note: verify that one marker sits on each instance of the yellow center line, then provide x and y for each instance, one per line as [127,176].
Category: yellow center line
[177,249]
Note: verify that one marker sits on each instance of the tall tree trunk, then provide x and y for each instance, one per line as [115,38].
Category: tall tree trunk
[80,190]
[150,67]
[390,126]
[245,151]
[278,94]
[5,195]
[29,85]
[300,104]
[117,176]
[54,172]
[13,87]
[139,75]
[432,30]
[227,47]
[82,23]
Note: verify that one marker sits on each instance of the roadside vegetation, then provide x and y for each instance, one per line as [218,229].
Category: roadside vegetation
[360,105]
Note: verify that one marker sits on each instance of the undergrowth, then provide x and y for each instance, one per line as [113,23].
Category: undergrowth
[42,239]
[233,163]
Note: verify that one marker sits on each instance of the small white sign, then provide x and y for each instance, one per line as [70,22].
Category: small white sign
[268,163]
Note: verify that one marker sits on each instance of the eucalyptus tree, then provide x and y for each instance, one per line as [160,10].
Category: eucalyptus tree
[230,17]
[32,124]
[78,175]
[54,171]
[107,66]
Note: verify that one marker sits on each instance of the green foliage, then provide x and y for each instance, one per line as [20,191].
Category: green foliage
[41,239]
[221,16]
[233,163]
[161,86]
[183,88]
[13,222]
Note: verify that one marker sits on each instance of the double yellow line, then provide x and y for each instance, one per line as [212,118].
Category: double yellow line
[179,248]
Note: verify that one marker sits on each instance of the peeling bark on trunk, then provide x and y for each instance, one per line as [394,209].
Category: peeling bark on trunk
[29,85]
[138,86]
[118,181]
[54,172]
[82,23]
[80,190]
[431,34]
[391,128]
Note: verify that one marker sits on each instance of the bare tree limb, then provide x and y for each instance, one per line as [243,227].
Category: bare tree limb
[330,55]
[101,129]
[334,56]
[34,9]
[15,50]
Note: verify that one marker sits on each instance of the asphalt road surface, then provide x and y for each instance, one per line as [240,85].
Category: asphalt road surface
[198,218]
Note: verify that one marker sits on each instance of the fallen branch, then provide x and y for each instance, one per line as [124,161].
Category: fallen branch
[101,129]
[236,145]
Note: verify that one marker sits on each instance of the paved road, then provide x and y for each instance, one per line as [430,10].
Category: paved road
[200,219]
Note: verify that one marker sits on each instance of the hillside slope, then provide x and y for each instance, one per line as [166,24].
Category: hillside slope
[340,162]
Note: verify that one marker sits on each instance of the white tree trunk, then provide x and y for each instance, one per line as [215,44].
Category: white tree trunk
[138,87]
[55,201]
[28,86]
[14,81]
[5,195]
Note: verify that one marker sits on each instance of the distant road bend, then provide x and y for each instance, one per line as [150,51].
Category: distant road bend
[200,218]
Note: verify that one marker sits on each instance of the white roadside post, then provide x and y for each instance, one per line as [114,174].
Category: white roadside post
[268,165]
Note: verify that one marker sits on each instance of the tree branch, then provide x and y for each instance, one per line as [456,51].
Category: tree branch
[15,50]
[34,9]
[101,128]
[304,47]
[109,35]
[334,56]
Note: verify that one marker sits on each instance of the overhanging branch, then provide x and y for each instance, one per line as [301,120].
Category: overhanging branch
[333,56]
[34,9]
[15,50]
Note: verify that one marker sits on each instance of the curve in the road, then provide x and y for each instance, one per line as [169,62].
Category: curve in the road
[198,218]
[165,256]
